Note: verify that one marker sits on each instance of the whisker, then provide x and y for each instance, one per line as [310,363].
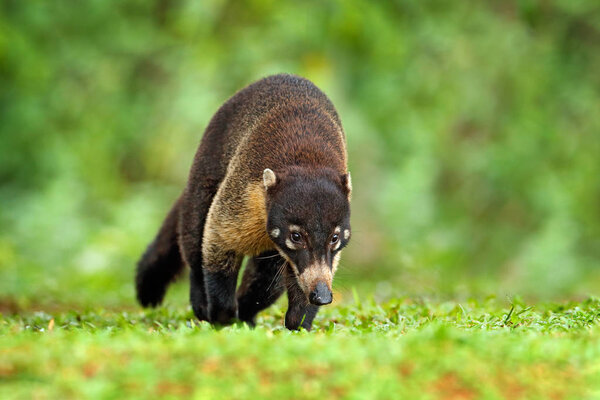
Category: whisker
[265,257]
[277,274]
[275,277]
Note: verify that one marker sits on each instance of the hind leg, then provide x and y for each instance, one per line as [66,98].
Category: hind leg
[195,204]
[261,286]
[160,264]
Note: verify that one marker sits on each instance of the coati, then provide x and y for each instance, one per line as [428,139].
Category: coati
[269,181]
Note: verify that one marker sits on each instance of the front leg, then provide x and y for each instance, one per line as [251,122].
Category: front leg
[220,277]
[261,286]
[300,312]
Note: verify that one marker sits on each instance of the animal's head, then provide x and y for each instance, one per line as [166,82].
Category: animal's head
[308,219]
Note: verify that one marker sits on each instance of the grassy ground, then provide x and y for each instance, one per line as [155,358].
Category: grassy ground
[398,349]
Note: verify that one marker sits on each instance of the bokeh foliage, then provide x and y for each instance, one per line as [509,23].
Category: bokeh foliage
[473,131]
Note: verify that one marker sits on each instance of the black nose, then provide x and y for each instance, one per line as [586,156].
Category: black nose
[321,295]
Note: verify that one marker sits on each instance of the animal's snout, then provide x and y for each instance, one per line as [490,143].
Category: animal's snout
[321,295]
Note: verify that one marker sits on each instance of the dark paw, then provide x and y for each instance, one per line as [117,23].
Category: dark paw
[200,312]
[222,316]
[251,321]
[150,295]
[295,319]
[300,316]
[247,314]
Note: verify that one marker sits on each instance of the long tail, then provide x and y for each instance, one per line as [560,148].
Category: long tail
[160,264]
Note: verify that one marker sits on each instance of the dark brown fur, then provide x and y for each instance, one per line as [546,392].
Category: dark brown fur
[284,123]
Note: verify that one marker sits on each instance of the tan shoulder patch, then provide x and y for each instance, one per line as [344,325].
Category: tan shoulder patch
[244,230]
[254,224]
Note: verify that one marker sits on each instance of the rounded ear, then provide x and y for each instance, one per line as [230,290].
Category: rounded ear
[347,183]
[269,178]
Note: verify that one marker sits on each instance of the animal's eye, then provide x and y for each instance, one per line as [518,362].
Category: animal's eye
[296,237]
[335,238]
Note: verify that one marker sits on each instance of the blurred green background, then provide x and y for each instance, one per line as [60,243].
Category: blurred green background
[473,133]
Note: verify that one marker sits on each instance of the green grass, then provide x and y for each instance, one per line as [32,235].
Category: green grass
[399,349]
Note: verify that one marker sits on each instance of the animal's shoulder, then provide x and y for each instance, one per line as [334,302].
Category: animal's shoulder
[239,218]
